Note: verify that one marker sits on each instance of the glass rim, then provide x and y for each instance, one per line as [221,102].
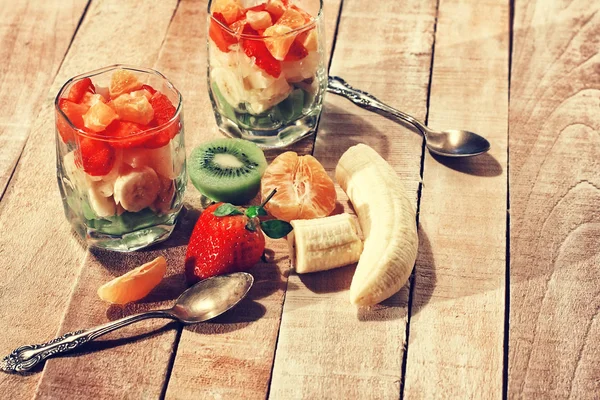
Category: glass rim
[98,136]
[305,27]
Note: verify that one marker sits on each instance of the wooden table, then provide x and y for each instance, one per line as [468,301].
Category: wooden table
[505,295]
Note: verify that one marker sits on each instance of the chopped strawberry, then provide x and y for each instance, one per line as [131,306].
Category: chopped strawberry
[80,88]
[149,89]
[126,134]
[164,111]
[218,34]
[296,52]
[95,156]
[74,112]
[258,50]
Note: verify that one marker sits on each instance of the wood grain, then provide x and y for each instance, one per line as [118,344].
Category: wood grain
[34,37]
[232,356]
[42,257]
[328,348]
[457,315]
[554,197]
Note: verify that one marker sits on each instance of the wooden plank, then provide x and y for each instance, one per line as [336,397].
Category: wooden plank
[554,344]
[232,356]
[40,271]
[455,347]
[34,37]
[327,348]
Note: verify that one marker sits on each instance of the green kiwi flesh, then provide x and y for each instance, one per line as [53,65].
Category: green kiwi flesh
[227,170]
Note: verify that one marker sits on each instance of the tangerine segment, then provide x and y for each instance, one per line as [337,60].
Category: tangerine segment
[304,190]
[135,284]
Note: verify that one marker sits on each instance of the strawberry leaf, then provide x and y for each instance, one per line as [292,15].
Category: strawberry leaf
[227,209]
[255,211]
[276,229]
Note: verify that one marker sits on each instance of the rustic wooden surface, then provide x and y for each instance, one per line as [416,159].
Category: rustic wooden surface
[506,290]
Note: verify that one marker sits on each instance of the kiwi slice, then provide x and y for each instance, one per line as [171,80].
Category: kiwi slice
[227,170]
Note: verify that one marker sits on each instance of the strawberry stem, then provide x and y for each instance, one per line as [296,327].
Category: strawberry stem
[269,197]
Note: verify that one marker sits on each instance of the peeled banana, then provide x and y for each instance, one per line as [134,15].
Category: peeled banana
[324,243]
[387,220]
[137,189]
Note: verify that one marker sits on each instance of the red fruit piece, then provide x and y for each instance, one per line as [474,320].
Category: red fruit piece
[222,245]
[96,157]
[163,113]
[74,113]
[296,52]
[80,88]
[258,50]
[149,89]
[126,134]
[218,34]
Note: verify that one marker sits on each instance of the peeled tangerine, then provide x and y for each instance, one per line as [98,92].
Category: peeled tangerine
[304,190]
[387,219]
[135,284]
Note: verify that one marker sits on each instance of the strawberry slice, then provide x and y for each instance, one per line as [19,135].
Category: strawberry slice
[126,134]
[296,52]
[94,156]
[74,112]
[218,34]
[258,50]
[163,113]
[80,88]
[149,89]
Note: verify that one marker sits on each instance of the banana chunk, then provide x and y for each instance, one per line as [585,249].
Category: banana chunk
[137,189]
[387,220]
[324,243]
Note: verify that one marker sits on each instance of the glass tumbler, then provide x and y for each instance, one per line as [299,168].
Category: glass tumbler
[120,156]
[266,68]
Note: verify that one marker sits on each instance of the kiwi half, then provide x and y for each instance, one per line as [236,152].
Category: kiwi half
[227,170]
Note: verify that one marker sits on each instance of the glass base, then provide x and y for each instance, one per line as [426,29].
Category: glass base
[270,138]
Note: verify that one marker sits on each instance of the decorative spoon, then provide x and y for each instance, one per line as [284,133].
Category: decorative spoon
[448,143]
[203,301]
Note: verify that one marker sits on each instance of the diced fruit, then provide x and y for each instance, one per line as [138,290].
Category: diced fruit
[123,81]
[238,26]
[219,35]
[227,169]
[231,10]
[74,112]
[278,41]
[102,206]
[258,50]
[276,8]
[160,160]
[259,20]
[164,111]
[99,116]
[126,134]
[79,89]
[304,190]
[136,189]
[306,16]
[296,52]
[149,88]
[291,18]
[136,284]
[164,198]
[306,68]
[309,40]
[134,107]
[90,99]
[96,156]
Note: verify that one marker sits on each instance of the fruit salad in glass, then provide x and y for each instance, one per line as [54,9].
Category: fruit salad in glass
[266,68]
[120,156]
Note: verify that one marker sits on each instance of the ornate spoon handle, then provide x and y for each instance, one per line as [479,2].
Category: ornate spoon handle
[26,357]
[365,100]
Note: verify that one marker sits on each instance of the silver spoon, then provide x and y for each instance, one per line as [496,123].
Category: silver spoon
[201,302]
[448,143]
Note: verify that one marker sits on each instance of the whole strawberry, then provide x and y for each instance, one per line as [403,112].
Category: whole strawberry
[226,239]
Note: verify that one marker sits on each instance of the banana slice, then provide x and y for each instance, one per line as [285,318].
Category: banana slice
[230,85]
[387,220]
[324,243]
[101,205]
[136,189]
[163,201]
[160,159]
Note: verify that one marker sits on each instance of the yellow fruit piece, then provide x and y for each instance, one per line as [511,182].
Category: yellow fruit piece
[134,107]
[123,81]
[232,10]
[277,41]
[291,18]
[311,42]
[259,20]
[275,7]
[98,117]
[135,284]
